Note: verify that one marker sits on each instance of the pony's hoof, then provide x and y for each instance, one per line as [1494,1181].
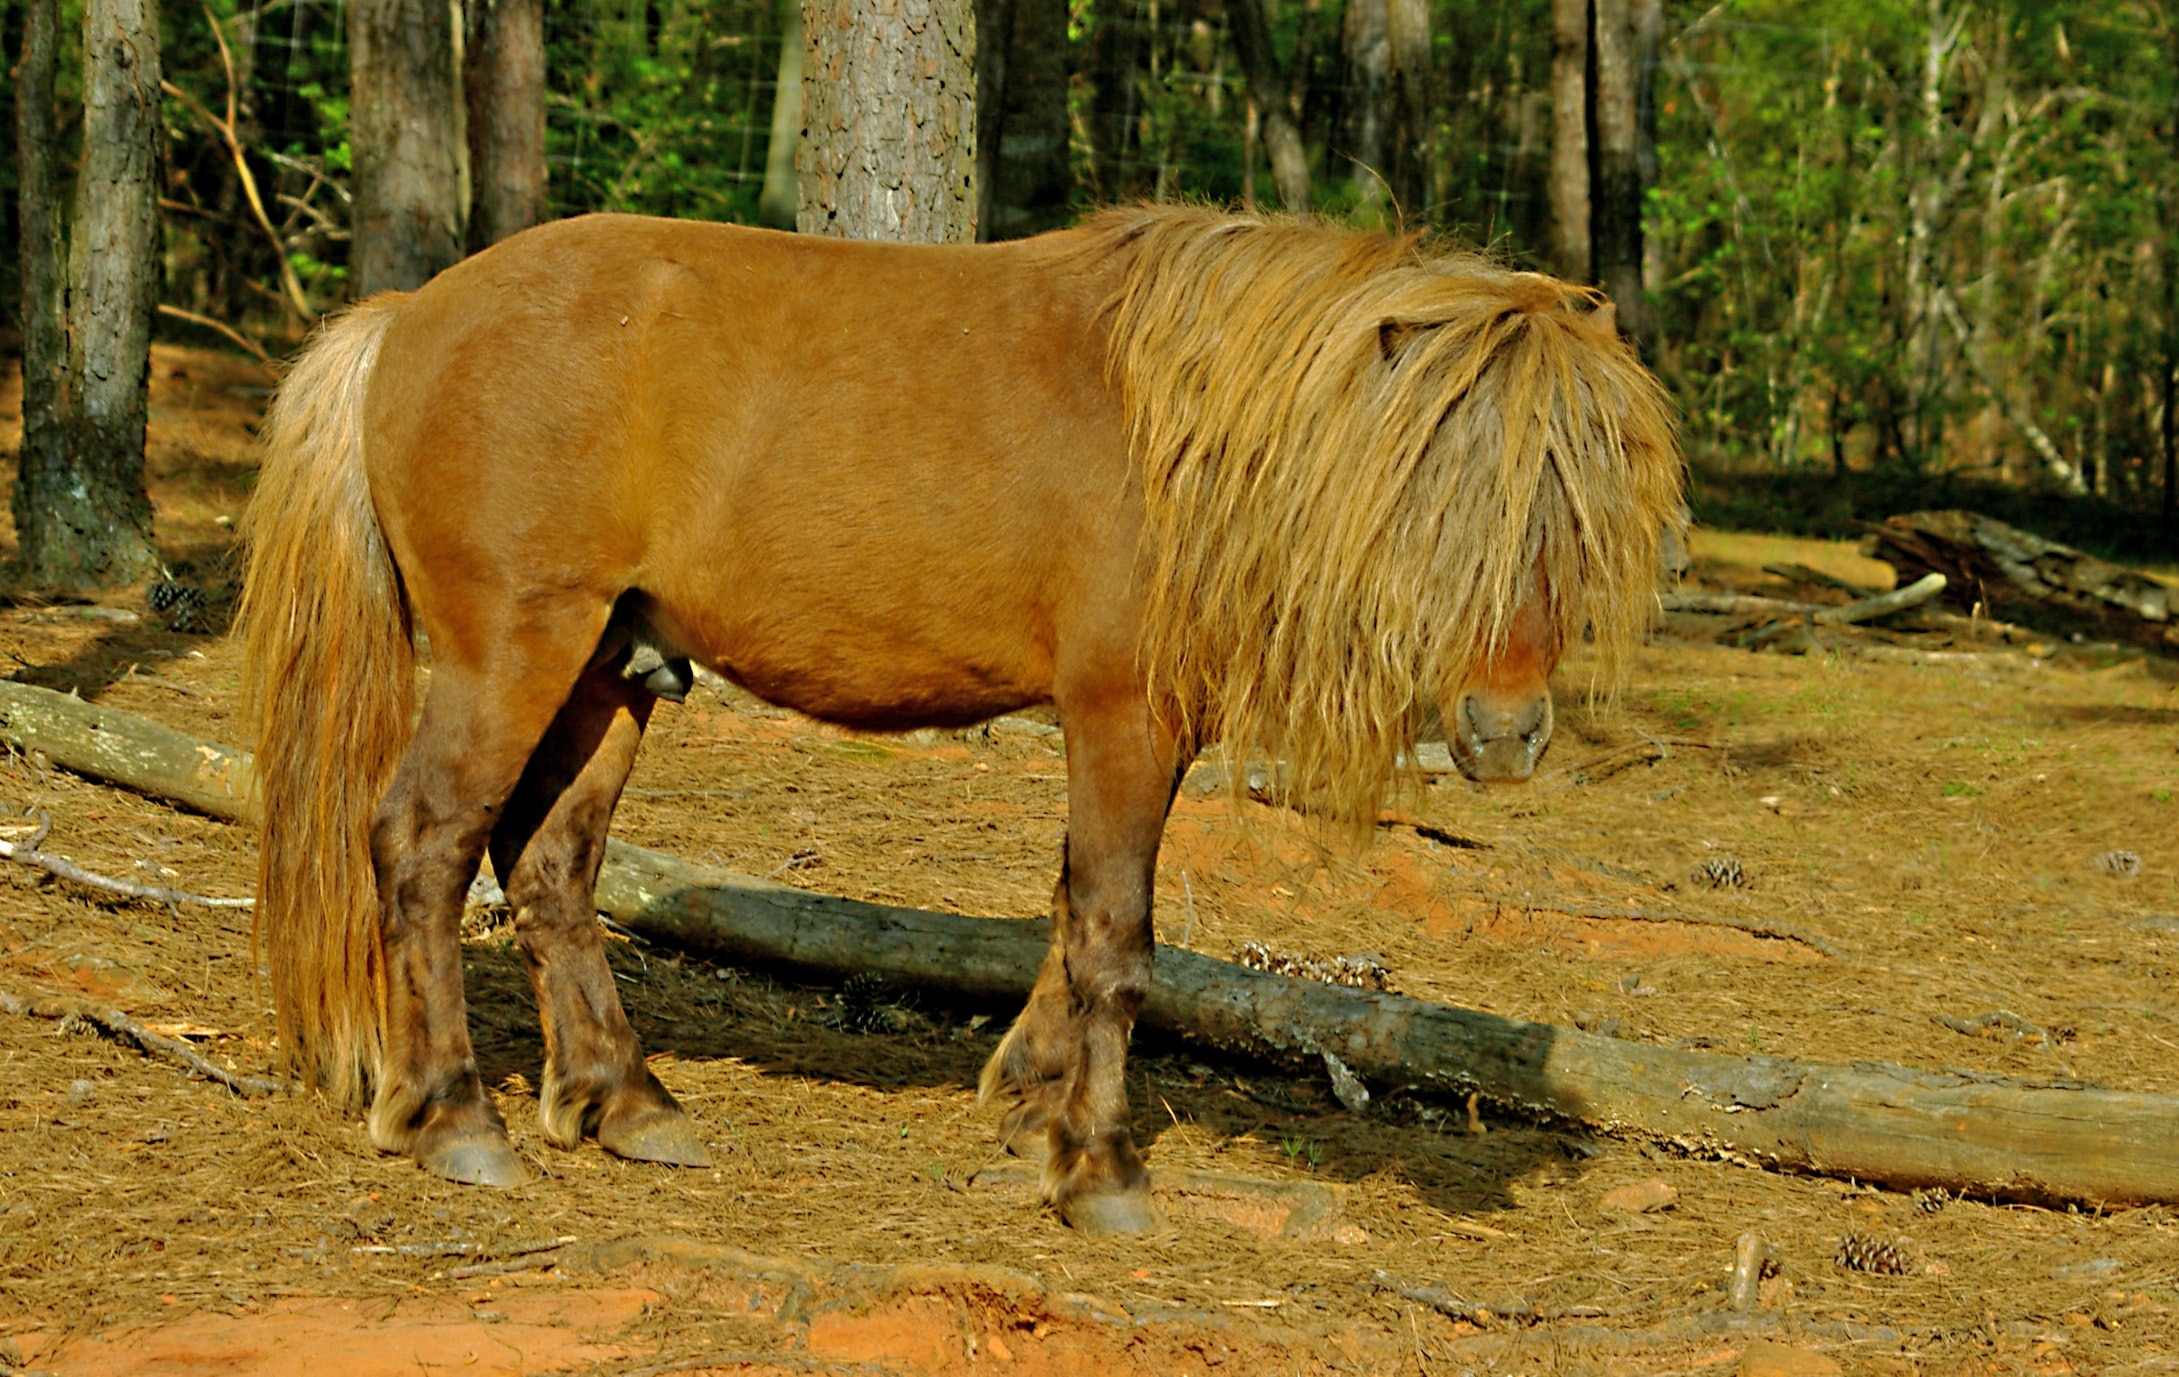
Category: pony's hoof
[655,1135]
[476,1161]
[1097,1214]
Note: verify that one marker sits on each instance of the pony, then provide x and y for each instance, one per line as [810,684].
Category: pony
[1187,476]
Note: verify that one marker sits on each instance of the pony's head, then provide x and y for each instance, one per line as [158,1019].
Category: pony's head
[1374,474]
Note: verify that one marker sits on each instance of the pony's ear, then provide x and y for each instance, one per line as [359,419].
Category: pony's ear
[1393,336]
[1605,319]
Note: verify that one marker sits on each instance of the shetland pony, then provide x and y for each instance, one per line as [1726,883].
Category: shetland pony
[1187,476]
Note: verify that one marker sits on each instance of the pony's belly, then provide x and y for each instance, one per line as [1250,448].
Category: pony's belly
[894,698]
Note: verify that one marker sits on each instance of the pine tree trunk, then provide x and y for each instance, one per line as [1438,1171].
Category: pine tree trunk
[776,205]
[1408,109]
[405,131]
[1366,61]
[41,464]
[1570,138]
[1615,210]
[1267,86]
[504,82]
[84,519]
[888,147]
[1022,167]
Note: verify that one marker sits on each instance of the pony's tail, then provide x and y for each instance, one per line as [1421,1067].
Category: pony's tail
[327,683]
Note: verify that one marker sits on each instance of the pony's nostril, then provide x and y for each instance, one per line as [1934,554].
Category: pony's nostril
[1532,720]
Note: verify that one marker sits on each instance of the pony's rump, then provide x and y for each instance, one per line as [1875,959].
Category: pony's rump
[1356,454]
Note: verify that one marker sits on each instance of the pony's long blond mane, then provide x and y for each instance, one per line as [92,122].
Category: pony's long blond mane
[1355,452]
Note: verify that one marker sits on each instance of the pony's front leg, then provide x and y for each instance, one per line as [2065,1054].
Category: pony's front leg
[1064,1063]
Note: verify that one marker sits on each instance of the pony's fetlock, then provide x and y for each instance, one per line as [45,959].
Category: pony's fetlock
[634,1117]
[395,1115]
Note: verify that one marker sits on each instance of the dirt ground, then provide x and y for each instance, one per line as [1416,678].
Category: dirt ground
[1937,821]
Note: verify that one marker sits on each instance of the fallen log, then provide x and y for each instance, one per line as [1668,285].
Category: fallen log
[1985,1136]
[2022,577]
[1867,609]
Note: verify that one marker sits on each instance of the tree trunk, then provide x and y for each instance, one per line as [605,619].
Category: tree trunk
[776,206]
[504,81]
[1615,208]
[85,518]
[1022,170]
[405,132]
[1570,138]
[1267,86]
[888,146]
[42,462]
[1366,60]
[1409,136]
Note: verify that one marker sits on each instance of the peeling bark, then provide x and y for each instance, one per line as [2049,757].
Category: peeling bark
[888,148]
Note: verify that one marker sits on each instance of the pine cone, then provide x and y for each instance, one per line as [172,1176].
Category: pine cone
[1929,1202]
[182,606]
[2122,863]
[869,1003]
[1865,1253]
[1722,872]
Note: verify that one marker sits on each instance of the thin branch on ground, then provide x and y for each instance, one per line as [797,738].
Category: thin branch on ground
[1757,927]
[453,1248]
[158,1044]
[1995,1019]
[1476,1312]
[27,853]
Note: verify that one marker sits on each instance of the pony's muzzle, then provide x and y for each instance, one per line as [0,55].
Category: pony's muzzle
[1499,739]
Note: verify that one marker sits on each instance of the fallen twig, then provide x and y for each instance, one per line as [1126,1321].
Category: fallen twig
[1477,1313]
[121,1025]
[1758,927]
[453,1248]
[1994,1019]
[27,853]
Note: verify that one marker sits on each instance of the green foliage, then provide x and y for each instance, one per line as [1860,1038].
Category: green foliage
[661,108]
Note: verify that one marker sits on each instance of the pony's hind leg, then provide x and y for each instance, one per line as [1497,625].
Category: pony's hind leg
[478,728]
[547,849]
[1064,1062]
